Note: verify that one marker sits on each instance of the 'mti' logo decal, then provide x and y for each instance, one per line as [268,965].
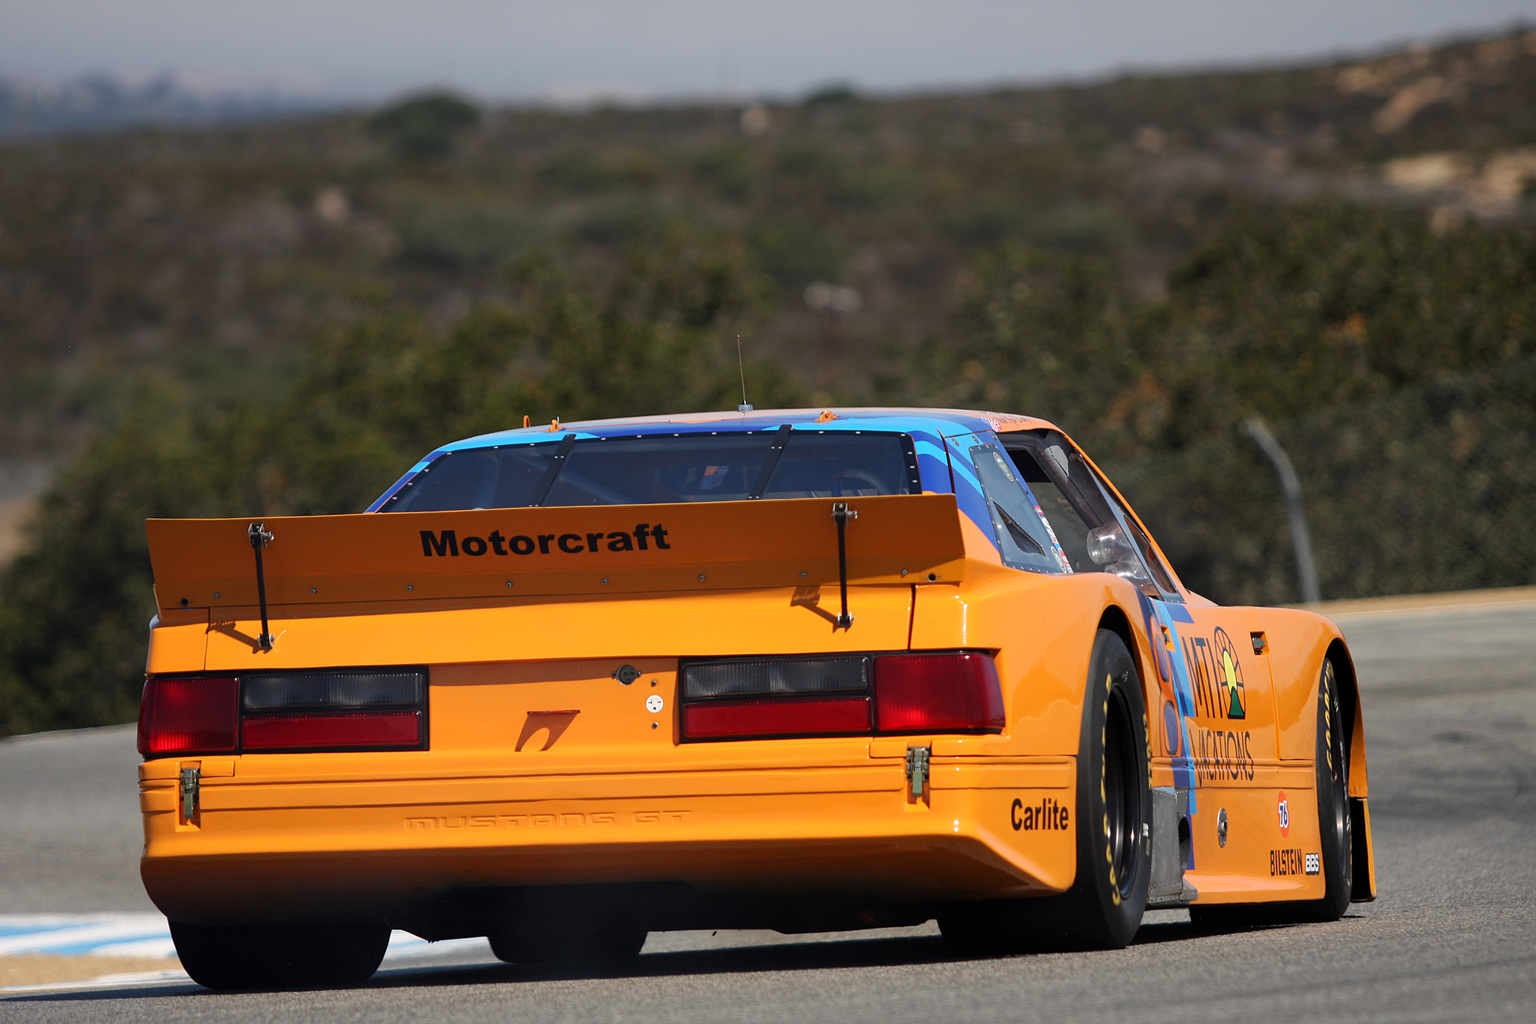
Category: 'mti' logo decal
[1231,675]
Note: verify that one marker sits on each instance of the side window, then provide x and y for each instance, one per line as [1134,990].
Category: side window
[1022,537]
[1095,531]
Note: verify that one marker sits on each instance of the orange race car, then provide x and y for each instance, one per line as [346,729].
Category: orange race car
[801,670]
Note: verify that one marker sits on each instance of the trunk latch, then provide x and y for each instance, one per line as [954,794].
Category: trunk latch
[917,770]
[189,794]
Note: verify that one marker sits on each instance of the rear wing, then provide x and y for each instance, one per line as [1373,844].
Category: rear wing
[486,555]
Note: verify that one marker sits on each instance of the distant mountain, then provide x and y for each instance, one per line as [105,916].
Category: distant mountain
[95,103]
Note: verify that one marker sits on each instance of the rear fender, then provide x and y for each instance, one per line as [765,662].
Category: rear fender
[1042,628]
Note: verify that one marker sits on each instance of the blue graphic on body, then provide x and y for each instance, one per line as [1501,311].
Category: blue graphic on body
[1169,615]
[969,496]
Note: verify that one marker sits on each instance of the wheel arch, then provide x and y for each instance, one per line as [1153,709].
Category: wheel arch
[1115,619]
[1349,705]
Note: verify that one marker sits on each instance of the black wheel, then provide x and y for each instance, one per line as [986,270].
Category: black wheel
[587,942]
[279,955]
[1334,829]
[1103,908]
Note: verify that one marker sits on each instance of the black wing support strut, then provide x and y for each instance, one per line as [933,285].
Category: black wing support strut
[259,537]
[842,513]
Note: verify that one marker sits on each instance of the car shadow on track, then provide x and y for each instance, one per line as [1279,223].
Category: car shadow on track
[787,956]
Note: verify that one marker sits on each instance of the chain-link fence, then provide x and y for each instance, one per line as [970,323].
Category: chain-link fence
[1429,488]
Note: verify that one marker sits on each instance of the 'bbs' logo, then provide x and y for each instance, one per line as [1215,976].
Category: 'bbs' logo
[1313,864]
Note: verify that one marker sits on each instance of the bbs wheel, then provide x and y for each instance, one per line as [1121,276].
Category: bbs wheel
[293,955]
[1103,908]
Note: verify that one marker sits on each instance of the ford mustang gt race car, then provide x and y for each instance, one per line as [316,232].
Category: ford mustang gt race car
[801,670]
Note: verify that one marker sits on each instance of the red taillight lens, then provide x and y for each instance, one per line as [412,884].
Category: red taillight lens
[307,710]
[345,731]
[937,693]
[952,691]
[188,716]
[735,719]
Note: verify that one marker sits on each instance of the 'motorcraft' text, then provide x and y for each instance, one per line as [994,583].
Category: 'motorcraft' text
[447,544]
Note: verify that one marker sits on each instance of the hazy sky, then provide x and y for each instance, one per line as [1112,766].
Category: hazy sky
[660,48]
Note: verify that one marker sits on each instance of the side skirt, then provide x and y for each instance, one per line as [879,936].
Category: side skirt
[1170,849]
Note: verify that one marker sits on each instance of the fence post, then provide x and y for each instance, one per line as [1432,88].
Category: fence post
[1290,486]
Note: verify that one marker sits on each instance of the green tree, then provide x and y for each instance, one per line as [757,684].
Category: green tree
[424,127]
[1051,334]
[1332,302]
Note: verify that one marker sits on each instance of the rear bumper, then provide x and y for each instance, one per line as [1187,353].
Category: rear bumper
[268,846]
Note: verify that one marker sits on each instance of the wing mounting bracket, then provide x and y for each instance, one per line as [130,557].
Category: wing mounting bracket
[842,513]
[260,536]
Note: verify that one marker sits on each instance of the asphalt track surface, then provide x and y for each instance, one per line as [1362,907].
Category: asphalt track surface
[1450,704]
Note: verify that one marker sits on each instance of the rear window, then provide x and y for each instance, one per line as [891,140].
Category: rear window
[661,469]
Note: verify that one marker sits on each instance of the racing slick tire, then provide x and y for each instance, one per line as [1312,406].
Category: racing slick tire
[1104,906]
[297,955]
[1334,828]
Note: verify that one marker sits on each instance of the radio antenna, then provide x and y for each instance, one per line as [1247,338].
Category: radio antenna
[745,405]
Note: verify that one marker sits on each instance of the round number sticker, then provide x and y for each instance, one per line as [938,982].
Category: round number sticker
[654,703]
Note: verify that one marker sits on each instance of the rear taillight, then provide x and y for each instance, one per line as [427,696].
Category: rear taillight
[339,709]
[342,688]
[842,695]
[189,715]
[350,730]
[741,677]
[937,693]
[734,719]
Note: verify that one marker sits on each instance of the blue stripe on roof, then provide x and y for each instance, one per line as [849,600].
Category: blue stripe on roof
[901,420]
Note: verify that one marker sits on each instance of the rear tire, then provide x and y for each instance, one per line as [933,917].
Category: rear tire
[294,955]
[1104,906]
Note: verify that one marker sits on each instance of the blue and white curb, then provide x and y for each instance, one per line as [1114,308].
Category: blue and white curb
[137,934]
[147,934]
